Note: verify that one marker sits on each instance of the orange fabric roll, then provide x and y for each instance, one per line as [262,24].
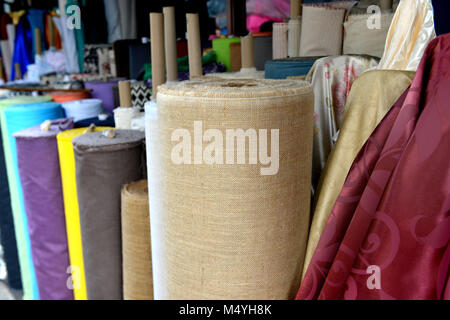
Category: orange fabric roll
[61,97]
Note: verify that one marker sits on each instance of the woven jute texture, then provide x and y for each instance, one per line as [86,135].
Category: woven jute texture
[136,250]
[224,231]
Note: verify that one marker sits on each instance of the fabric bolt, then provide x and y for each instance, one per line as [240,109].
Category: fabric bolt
[98,121]
[7,235]
[83,109]
[6,57]
[69,44]
[40,176]
[62,97]
[322,28]
[294,36]
[280,40]
[360,39]
[393,210]
[332,79]
[411,30]
[136,246]
[23,47]
[284,68]
[371,97]
[112,15]
[15,118]
[103,91]
[103,167]
[124,116]
[441,22]
[231,231]
[128,25]
[71,209]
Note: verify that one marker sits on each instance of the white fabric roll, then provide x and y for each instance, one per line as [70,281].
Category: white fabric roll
[124,116]
[7,57]
[280,40]
[11,30]
[294,36]
[83,109]
[138,123]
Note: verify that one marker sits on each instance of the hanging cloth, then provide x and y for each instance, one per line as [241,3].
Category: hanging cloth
[127,12]
[69,45]
[387,236]
[441,21]
[411,30]
[79,37]
[23,48]
[36,20]
[113,20]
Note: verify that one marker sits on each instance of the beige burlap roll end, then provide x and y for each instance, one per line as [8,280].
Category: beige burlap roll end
[229,166]
[137,255]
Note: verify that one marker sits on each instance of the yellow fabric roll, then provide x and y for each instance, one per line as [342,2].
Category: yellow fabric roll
[371,97]
[411,31]
[67,163]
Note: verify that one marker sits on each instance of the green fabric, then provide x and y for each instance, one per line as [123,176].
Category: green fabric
[222,47]
[183,64]
[79,38]
[25,263]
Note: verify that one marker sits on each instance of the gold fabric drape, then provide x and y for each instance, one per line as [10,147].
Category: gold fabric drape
[371,97]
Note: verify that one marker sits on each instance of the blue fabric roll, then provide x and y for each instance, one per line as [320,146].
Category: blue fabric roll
[108,122]
[7,234]
[17,118]
[284,68]
[441,20]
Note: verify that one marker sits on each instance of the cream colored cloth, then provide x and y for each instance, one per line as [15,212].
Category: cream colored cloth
[411,31]
[280,40]
[294,36]
[225,231]
[322,28]
[371,97]
[361,37]
[331,79]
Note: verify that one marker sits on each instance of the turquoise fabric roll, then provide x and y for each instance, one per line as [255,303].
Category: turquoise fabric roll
[284,68]
[14,119]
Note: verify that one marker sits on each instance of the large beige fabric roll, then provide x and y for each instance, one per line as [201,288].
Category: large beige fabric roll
[137,254]
[227,231]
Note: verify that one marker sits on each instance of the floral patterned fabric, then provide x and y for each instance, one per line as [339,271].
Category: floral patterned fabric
[388,234]
[332,79]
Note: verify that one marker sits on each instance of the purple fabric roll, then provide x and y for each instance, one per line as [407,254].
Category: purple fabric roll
[38,161]
[104,91]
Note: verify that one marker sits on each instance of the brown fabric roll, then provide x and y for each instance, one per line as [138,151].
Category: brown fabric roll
[103,167]
[226,231]
[137,254]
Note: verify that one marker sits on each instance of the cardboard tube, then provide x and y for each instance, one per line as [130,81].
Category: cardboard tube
[296,8]
[38,41]
[51,31]
[194,46]
[170,39]
[125,94]
[18,71]
[157,44]
[386,4]
[248,52]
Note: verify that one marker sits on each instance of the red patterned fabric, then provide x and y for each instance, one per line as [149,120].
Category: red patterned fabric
[393,213]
